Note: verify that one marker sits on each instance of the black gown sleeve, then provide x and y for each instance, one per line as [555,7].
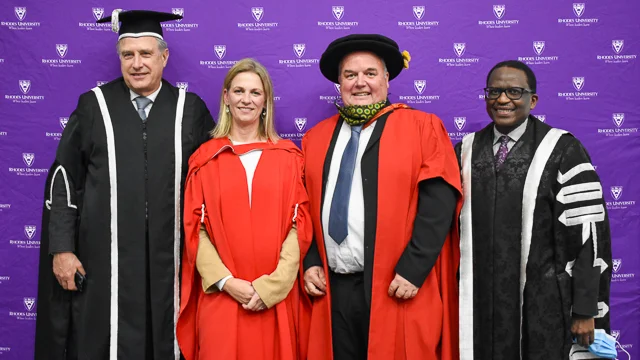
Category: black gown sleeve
[203,122]
[582,229]
[313,256]
[458,150]
[64,213]
[586,281]
[436,207]
[54,303]
[67,182]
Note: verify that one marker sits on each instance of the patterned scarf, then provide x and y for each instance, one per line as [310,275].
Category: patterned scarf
[360,114]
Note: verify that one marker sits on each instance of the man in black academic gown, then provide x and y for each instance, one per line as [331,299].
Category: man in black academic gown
[111,220]
[535,246]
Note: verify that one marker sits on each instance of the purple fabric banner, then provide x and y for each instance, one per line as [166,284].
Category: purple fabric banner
[584,55]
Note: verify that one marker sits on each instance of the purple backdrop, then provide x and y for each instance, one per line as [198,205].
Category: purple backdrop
[584,55]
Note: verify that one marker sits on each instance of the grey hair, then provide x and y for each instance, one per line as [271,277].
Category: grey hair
[162,45]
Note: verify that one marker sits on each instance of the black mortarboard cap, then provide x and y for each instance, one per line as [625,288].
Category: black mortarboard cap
[138,23]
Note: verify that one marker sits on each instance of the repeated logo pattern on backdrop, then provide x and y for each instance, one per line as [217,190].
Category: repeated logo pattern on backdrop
[584,55]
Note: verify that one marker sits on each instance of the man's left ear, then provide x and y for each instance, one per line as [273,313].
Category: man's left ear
[534,101]
[165,56]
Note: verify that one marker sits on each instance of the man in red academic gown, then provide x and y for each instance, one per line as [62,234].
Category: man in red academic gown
[384,191]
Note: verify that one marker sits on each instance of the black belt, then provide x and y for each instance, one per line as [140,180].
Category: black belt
[349,275]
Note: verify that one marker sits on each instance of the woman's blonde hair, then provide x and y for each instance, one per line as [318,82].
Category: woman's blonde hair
[266,127]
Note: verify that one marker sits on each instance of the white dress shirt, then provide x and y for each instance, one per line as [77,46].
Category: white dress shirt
[250,163]
[348,257]
[514,136]
[151,97]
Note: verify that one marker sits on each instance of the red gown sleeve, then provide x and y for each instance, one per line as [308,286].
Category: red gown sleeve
[302,219]
[438,156]
[194,213]
[439,160]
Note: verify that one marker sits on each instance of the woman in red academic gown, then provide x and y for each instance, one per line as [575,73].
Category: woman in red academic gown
[246,229]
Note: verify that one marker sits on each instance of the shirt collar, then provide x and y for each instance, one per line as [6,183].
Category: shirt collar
[514,135]
[151,97]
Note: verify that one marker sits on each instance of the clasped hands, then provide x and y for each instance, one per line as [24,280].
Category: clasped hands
[243,292]
[315,284]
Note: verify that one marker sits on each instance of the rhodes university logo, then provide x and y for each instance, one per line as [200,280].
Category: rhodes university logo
[25,86]
[419,21]
[28,158]
[418,12]
[62,50]
[499,10]
[98,12]
[618,119]
[220,50]
[617,45]
[499,19]
[460,122]
[257,13]
[578,9]
[579,19]
[617,263]
[338,12]
[29,302]
[30,231]
[538,47]
[63,122]
[578,82]
[419,86]
[459,48]
[616,192]
[21,12]
[301,123]
[299,49]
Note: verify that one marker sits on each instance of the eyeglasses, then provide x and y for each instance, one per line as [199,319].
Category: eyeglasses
[513,93]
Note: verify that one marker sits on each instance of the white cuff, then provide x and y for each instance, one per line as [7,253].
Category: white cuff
[220,283]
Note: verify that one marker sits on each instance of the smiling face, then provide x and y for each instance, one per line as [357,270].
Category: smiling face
[363,79]
[245,97]
[142,63]
[508,114]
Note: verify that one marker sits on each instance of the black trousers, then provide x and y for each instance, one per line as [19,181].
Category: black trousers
[349,316]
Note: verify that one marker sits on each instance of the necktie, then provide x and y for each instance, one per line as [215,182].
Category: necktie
[141,103]
[503,150]
[339,213]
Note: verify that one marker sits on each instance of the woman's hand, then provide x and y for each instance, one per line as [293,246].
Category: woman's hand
[255,304]
[240,290]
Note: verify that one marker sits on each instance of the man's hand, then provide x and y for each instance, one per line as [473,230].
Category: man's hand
[401,288]
[583,331]
[255,304]
[240,290]
[314,281]
[65,266]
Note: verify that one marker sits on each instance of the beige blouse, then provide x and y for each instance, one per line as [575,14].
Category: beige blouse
[272,288]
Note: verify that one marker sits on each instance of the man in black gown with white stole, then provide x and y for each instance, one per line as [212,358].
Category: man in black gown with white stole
[535,246]
[112,209]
